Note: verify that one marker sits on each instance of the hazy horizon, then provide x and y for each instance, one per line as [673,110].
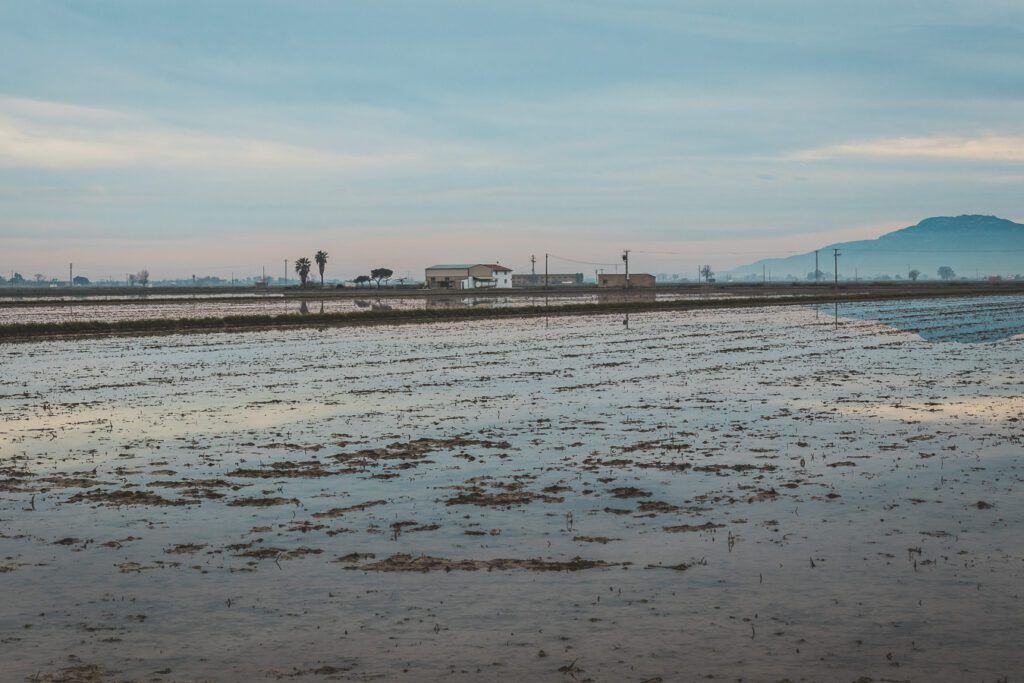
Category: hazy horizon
[190,138]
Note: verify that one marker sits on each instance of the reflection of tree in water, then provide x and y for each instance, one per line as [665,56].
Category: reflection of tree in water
[303,308]
[377,305]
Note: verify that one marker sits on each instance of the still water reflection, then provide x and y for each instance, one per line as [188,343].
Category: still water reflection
[941,320]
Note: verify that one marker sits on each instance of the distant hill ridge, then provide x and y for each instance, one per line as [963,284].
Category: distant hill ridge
[973,245]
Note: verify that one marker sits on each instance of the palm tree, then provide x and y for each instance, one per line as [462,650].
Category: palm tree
[302,267]
[321,262]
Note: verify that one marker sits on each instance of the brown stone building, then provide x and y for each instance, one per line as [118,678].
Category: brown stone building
[618,280]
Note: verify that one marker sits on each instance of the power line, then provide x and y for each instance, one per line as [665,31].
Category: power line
[730,253]
[586,263]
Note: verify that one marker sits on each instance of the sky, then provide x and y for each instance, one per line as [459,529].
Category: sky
[197,137]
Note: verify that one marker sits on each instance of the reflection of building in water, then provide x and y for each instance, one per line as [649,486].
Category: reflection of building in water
[619,297]
[468,276]
[619,280]
[553,279]
[465,302]
[444,302]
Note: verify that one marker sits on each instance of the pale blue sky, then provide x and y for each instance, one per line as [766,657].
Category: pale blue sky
[213,137]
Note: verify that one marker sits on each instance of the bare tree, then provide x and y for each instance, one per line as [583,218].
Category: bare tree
[946,273]
[914,274]
[142,277]
[707,273]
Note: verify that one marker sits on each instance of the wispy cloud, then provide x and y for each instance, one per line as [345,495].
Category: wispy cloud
[50,135]
[990,148]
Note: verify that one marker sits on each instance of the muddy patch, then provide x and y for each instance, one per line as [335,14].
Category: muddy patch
[424,563]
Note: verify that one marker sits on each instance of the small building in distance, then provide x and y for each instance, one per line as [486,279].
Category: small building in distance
[468,276]
[553,279]
[618,280]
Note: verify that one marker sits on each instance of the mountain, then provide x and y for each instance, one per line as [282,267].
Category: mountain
[971,245]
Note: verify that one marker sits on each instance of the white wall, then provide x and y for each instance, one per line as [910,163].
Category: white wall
[503,279]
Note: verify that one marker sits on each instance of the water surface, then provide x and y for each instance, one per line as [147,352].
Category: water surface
[760,494]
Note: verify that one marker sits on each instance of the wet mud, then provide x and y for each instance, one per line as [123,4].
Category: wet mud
[759,494]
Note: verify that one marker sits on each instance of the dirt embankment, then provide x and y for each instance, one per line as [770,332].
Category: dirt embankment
[744,297]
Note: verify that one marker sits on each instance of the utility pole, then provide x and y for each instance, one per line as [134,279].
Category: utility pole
[533,264]
[764,278]
[817,271]
[71,280]
[545,271]
[264,276]
[286,272]
[835,267]
[625,259]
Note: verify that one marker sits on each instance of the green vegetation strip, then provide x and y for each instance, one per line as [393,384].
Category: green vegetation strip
[234,323]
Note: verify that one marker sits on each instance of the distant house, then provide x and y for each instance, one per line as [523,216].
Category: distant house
[468,276]
[619,280]
[553,279]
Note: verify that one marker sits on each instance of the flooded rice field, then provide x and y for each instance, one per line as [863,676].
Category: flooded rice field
[165,308]
[790,493]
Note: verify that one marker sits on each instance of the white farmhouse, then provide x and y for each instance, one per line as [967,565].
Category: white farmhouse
[468,276]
